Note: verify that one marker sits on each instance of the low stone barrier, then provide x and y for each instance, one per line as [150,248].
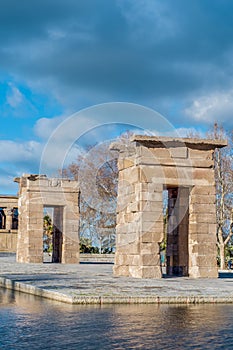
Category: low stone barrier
[8,241]
[97,258]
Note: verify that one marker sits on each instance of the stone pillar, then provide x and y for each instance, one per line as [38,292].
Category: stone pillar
[8,215]
[183,197]
[70,248]
[30,228]
[202,228]
[140,223]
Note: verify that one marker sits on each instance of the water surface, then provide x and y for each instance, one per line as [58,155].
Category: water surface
[28,322]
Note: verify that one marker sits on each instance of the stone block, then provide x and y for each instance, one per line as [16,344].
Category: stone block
[125,239]
[120,258]
[149,196]
[153,152]
[130,248]
[152,237]
[151,216]
[148,187]
[121,270]
[134,260]
[203,199]
[202,238]
[207,272]
[202,208]
[200,154]
[150,226]
[35,259]
[150,260]
[174,162]
[212,229]
[179,152]
[151,272]
[122,229]
[205,175]
[133,207]
[206,249]
[135,271]
[70,260]
[146,237]
[149,248]
[203,190]
[125,188]
[195,228]
[202,218]
[125,163]
[153,172]
[131,175]
[206,261]
[131,217]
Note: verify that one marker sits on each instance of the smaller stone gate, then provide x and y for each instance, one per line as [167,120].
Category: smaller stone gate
[37,192]
[182,169]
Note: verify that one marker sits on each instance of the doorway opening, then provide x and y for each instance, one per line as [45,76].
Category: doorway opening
[15,218]
[2,219]
[52,234]
[176,231]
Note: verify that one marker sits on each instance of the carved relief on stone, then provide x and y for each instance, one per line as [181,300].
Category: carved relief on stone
[54,183]
[8,211]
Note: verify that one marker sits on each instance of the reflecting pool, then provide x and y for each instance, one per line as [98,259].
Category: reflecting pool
[28,322]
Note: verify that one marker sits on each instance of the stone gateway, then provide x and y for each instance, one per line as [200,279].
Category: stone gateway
[180,172]
[35,193]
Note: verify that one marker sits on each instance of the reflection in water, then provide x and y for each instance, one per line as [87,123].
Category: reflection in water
[28,322]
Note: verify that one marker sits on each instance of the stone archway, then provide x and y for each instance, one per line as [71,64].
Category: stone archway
[180,165]
[35,193]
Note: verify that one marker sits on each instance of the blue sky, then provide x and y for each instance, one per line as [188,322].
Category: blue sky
[59,57]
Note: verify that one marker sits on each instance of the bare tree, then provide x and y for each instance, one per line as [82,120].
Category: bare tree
[97,172]
[223,159]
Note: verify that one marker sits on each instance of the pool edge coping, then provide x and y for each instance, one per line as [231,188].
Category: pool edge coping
[113,299]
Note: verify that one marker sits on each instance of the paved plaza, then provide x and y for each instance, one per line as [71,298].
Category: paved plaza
[94,283]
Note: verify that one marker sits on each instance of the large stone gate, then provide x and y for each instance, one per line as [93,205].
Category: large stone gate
[153,171]
[37,192]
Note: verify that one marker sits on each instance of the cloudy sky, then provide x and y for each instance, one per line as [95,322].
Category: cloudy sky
[58,57]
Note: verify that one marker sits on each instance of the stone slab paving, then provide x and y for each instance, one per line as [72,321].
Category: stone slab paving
[94,283]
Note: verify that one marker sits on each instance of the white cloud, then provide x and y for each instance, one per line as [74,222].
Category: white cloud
[16,159]
[17,104]
[56,34]
[44,127]
[95,121]
[14,96]
[15,152]
[140,14]
[211,108]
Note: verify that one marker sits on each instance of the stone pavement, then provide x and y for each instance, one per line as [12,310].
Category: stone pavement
[94,283]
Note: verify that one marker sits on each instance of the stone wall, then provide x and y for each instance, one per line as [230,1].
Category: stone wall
[8,229]
[8,241]
[148,166]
